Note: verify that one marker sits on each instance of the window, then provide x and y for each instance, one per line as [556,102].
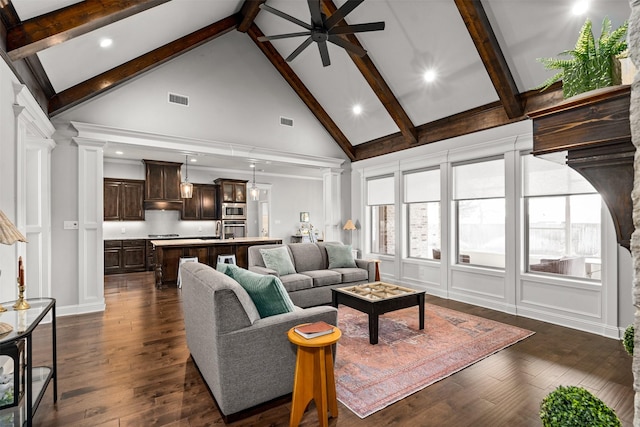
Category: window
[563,220]
[478,193]
[422,206]
[381,205]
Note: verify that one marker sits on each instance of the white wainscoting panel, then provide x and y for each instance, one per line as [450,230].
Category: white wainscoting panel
[423,275]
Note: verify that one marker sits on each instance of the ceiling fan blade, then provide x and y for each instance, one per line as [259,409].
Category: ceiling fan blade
[357,28]
[285,16]
[316,14]
[324,53]
[300,48]
[283,36]
[347,46]
[339,14]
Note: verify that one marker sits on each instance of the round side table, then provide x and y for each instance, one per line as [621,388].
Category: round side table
[314,376]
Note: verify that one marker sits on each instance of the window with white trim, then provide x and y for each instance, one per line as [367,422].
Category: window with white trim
[422,210]
[479,206]
[381,205]
[562,220]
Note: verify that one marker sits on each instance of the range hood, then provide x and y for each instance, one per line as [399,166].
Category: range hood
[162,185]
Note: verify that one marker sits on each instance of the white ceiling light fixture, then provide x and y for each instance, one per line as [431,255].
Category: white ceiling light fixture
[254,193]
[105,43]
[357,109]
[580,7]
[119,153]
[186,188]
[430,75]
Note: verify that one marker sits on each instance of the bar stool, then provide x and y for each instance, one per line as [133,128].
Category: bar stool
[226,259]
[182,261]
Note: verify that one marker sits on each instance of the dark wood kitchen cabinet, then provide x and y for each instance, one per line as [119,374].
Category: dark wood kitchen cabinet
[162,185]
[233,190]
[123,199]
[125,256]
[203,205]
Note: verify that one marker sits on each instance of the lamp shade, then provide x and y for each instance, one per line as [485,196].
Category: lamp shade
[9,234]
[349,225]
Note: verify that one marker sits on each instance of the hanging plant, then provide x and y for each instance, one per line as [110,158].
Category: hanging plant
[627,340]
[593,64]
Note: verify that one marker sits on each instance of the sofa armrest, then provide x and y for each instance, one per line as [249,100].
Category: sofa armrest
[257,363]
[370,266]
[263,270]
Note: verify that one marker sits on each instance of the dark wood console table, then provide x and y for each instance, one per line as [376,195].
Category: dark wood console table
[37,378]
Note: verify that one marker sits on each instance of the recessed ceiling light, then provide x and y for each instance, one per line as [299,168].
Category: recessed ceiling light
[357,109]
[429,75]
[104,43]
[193,160]
[580,7]
[120,153]
[252,165]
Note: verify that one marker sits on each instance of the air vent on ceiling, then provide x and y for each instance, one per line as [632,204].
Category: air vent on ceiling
[286,122]
[174,98]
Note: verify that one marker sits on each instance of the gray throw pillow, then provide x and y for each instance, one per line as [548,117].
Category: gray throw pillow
[340,256]
[278,259]
[266,291]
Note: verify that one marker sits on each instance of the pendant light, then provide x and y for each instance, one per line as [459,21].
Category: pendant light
[186,188]
[254,192]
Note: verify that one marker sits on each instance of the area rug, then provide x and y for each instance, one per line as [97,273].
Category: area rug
[407,359]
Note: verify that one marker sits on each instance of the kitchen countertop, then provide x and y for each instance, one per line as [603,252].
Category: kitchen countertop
[196,241]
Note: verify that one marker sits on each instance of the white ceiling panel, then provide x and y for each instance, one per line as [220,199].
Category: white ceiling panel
[527,30]
[337,87]
[81,58]
[420,35]
[28,9]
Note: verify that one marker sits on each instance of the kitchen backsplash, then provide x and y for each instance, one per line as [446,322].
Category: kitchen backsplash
[157,222]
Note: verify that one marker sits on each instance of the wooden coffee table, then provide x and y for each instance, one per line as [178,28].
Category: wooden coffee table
[378,298]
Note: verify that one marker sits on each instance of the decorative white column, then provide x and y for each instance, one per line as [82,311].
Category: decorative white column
[90,216]
[634,53]
[33,132]
[332,204]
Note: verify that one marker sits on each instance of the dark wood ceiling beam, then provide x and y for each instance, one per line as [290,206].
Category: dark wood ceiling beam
[305,95]
[61,25]
[249,11]
[378,84]
[481,32]
[470,121]
[118,75]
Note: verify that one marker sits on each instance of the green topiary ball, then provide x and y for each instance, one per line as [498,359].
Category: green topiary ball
[576,407]
[627,340]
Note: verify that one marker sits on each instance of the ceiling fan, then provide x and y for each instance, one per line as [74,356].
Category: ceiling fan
[324,29]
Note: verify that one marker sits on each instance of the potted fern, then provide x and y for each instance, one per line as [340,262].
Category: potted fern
[593,64]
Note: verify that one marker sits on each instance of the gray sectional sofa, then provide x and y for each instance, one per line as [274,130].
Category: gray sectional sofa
[244,359]
[312,281]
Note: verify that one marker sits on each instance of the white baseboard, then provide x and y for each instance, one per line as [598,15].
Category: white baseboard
[70,310]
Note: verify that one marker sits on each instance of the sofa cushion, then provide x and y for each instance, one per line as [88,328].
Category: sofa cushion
[307,256]
[353,274]
[340,256]
[267,292]
[278,259]
[296,282]
[323,277]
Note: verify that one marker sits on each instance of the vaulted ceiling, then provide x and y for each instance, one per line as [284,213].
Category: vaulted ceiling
[483,52]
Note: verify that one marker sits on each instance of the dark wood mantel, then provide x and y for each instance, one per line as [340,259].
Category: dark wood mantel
[594,130]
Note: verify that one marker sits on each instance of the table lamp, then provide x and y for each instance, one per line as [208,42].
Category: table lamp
[9,234]
[349,225]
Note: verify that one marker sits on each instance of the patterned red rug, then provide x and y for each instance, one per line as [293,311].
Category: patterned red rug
[406,359]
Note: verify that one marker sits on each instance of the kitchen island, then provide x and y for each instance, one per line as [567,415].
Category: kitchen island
[167,253]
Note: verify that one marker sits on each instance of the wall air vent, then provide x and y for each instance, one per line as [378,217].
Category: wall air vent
[174,98]
[286,122]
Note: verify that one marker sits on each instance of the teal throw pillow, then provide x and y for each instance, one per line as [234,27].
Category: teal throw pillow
[278,259]
[340,256]
[266,291]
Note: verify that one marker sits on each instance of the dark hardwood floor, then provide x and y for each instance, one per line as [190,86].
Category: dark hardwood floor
[130,366]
